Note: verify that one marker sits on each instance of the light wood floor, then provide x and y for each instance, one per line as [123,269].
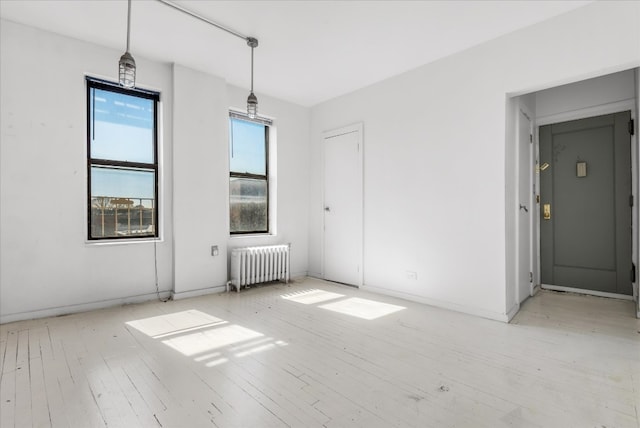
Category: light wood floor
[312,354]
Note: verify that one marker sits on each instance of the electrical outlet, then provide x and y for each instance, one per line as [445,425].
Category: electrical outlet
[412,275]
[214,250]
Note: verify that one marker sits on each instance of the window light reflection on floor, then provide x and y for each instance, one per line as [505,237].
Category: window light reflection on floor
[216,362]
[175,323]
[205,357]
[362,308]
[309,297]
[260,348]
[208,339]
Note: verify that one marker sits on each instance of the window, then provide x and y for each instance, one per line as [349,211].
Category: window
[122,161]
[248,175]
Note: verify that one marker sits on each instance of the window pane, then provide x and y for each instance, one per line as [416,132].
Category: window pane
[248,205]
[121,127]
[248,148]
[122,202]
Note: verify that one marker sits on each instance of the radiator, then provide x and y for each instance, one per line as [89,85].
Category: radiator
[253,265]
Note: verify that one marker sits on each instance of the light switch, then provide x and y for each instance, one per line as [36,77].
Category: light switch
[581,169]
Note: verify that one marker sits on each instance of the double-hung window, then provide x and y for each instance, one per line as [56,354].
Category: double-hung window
[122,161]
[248,175]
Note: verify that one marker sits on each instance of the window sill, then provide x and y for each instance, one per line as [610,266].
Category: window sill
[113,242]
[252,235]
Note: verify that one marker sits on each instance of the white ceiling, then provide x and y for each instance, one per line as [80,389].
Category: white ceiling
[310,51]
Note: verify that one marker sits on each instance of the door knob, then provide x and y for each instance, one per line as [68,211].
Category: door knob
[524,207]
[327,209]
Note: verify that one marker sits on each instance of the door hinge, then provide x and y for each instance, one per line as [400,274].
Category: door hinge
[537,199]
[531,138]
[531,277]
[631,200]
[633,272]
[632,128]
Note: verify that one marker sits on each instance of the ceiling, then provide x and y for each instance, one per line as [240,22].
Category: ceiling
[309,52]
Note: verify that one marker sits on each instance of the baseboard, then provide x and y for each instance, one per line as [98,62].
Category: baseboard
[583,291]
[198,292]
[512,312]
[298,275]
[82,307]
[441,304]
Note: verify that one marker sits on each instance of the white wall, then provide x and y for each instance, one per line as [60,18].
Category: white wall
[289,174]
[609,89]
[438,156]
[46,265]
[200,181]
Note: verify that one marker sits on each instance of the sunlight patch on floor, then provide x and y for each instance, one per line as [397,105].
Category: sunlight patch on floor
[362,308]
[309,297]
[205,357]
[175,323]
[208,340]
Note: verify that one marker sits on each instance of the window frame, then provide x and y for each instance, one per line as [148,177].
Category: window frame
[94,83]
[267,125]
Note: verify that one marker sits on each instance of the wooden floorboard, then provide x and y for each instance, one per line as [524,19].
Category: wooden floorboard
[317,354]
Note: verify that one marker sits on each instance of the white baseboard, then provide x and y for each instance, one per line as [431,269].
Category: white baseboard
[83,307]
[512,312]
[583,291]
[198,292]
[442,304]
[298,275]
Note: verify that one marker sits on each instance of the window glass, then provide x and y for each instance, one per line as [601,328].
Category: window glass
[124,182]
[121,126]
[248,148]
[122,166]
[249,180]
[248,203]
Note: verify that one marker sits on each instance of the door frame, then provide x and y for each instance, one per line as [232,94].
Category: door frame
[529,199]
[626,105]
[359,129]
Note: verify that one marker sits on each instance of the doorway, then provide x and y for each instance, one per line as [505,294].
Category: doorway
[343,205]
[586,205]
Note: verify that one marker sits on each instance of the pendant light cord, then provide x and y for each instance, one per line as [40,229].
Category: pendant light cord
[251,69]
[128,24]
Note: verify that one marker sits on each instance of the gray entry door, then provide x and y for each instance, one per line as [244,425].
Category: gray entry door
[585,212]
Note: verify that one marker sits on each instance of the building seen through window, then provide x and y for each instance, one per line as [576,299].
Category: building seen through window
[249,176]
[122,162]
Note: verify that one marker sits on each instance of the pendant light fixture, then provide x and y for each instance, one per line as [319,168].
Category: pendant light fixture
[127,74]
[252,100]
[252,42]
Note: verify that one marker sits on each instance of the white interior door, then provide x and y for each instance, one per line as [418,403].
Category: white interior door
[343,205]
[525,200]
